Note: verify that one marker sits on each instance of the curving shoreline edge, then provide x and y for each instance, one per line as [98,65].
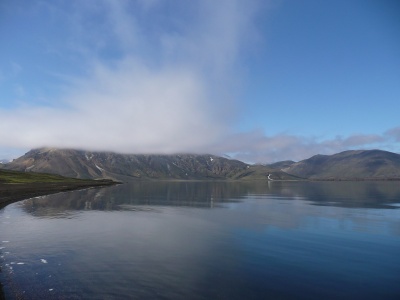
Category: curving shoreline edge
[13,192]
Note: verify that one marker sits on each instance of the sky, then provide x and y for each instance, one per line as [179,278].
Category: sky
[257,80]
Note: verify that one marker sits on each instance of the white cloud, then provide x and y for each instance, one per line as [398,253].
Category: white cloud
[130,109]
[157,83]
[129,103]
[255,146]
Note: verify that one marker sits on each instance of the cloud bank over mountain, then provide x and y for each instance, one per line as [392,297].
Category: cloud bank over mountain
[148,77]
[131,102]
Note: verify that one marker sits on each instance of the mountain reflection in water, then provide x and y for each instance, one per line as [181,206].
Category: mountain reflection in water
[213,194]
[205,240]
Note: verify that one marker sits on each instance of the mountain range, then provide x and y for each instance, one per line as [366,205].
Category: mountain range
[86,164]
[347,165]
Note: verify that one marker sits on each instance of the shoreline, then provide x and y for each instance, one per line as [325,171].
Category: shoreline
[14,192]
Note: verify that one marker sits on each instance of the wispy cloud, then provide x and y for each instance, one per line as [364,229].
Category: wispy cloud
[166,115]
[393,133]
[155,79]
[255,146]
[148,88]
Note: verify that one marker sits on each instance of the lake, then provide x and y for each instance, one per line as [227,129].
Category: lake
[205,240]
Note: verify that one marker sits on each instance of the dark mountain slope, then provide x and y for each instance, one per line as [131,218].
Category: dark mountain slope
[353,164]
[85,164]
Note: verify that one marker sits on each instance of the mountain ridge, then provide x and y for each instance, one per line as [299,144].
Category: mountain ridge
[110,165]
[349,165]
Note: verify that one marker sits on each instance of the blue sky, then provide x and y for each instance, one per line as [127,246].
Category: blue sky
[261,81]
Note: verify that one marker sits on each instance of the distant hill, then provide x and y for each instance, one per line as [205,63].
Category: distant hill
[353,164]
[281,164]
[86,164]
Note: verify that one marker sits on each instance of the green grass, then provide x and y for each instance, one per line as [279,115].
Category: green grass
[7,176]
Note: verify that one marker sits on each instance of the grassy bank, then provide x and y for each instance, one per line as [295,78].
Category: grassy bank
[15,186]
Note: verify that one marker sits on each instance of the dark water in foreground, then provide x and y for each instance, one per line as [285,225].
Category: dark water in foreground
[192,240]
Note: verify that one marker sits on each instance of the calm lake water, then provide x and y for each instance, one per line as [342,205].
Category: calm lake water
[205,240]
